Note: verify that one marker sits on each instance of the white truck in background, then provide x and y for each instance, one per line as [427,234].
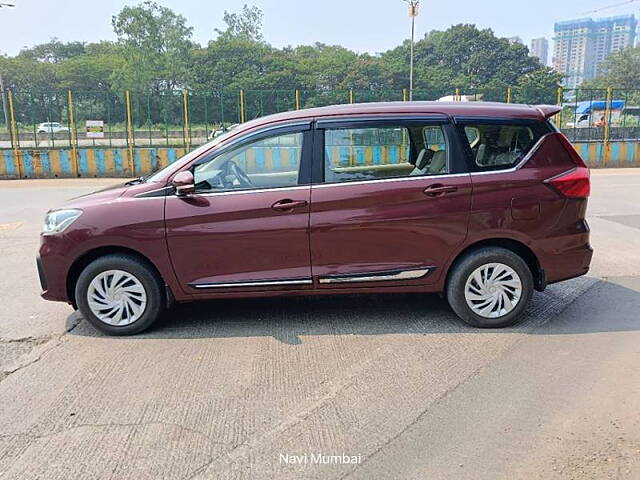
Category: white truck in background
[593,114]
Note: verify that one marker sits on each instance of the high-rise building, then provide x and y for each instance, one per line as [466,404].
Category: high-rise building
[582,45]
[540,49]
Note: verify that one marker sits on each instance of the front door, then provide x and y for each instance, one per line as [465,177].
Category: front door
[392,203]
[247,224]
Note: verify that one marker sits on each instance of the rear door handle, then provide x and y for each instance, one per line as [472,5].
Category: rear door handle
[439,189]
[288,204]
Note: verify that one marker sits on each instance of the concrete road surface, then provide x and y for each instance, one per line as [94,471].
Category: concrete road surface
[362,387]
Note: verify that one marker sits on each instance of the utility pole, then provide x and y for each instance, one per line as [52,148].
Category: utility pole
[413,13]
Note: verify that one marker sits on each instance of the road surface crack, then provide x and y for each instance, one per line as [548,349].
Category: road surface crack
[40,347]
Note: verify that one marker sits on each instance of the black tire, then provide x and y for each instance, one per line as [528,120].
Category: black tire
[466,265]
[142,272]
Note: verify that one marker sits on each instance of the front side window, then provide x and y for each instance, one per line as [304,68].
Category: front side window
[353,154]
[499,145]
[266,163]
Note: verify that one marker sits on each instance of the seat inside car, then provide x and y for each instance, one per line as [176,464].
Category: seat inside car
[430,162]
[505,148]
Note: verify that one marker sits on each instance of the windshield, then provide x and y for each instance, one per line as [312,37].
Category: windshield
[155,176]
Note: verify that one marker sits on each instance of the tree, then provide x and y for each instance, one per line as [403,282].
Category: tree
[620,70]
[22,73]
[54,51]
[463,56]
[246,25]
[89,72]
[154,57]
[538,87]
[156,45]
[232,63]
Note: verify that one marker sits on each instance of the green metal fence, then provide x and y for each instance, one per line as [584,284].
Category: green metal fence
[188,118]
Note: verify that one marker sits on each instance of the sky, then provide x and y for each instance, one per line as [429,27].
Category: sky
[361,25]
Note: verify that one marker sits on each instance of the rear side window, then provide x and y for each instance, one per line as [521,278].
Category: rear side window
[356,154]
[499,146]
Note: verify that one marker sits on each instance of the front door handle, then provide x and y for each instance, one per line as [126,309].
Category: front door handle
[288,204]
[439,189]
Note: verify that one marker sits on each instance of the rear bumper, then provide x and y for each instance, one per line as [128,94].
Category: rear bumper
[570,257]
[572,265]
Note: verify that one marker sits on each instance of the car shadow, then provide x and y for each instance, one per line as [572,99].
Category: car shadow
[601,306]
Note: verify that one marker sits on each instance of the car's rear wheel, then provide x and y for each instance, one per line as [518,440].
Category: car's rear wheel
[119,294]
[490,287]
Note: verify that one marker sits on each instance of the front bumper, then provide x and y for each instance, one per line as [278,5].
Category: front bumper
[52,266]
[41,275]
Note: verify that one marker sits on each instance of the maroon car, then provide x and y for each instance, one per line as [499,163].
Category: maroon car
[482,202]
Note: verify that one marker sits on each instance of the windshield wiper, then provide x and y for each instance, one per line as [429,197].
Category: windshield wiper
[135,181]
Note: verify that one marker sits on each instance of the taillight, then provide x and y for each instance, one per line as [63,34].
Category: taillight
[572,184]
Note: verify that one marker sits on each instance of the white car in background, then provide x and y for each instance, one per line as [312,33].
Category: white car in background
[462,98]
[52,127]
[217,132]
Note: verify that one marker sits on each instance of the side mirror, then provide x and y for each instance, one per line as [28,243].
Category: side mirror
[183,183]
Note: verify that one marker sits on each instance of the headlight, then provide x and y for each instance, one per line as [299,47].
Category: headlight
[58,220]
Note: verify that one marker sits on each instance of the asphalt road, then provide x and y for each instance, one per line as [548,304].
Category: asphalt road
[240,389]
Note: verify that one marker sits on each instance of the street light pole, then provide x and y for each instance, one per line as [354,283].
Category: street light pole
[413,13]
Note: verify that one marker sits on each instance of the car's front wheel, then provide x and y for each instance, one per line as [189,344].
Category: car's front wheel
[490,287]
[119,294]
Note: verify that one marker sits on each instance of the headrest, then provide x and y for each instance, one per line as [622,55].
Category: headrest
[439,162]
[424,158]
